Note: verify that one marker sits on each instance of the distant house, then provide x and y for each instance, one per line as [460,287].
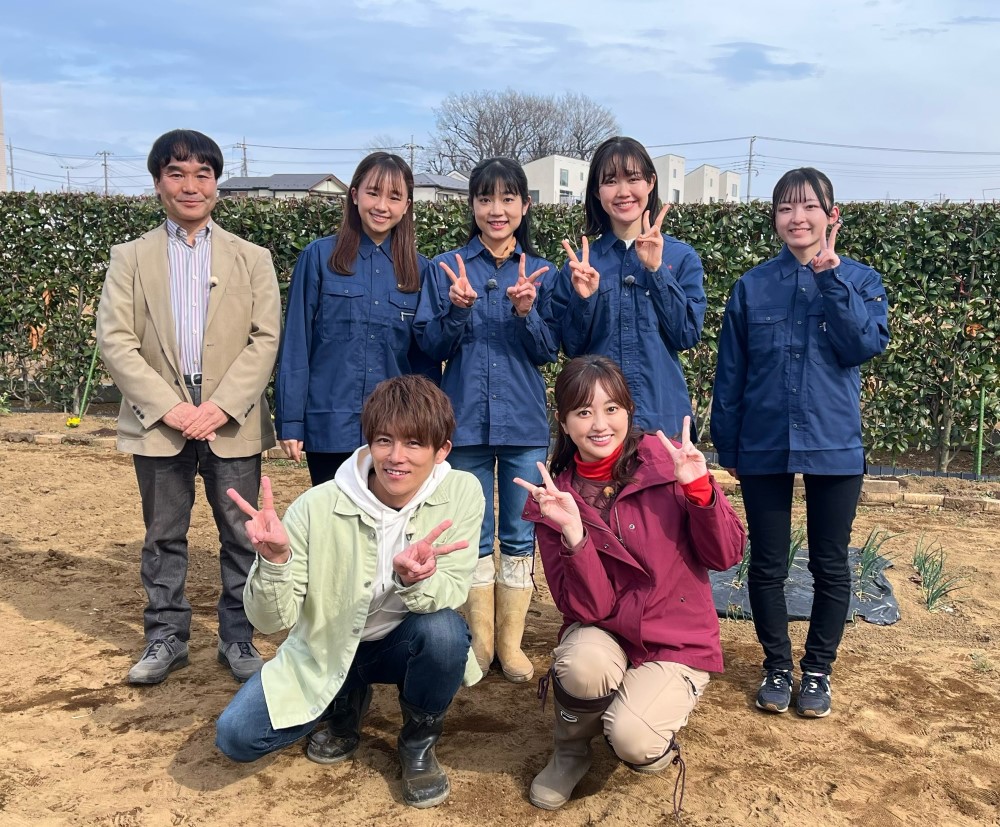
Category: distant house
[285,185]
[670,178]
[557,179]
[729,187]
[707,185]
[430,187]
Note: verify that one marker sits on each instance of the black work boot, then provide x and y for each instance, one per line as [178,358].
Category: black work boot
[424,782]
[339,740]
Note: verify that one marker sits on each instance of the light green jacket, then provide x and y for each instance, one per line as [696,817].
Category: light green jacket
[323,592]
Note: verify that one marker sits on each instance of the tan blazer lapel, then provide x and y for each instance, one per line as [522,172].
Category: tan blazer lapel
[223,261]
[154,276]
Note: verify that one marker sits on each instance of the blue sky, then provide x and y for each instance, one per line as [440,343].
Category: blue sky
[78,79]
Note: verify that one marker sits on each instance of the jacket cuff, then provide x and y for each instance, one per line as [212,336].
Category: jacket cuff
[275,572]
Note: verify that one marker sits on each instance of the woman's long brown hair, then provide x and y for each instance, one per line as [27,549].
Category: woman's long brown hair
[383,166]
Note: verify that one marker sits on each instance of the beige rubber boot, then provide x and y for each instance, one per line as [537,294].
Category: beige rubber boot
[571,758]
[513,596]
[479,612]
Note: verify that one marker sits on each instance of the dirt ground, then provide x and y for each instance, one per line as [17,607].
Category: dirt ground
[914,737]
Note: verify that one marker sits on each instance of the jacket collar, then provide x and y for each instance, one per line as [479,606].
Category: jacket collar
[475,247]
[367,247]
[787,264]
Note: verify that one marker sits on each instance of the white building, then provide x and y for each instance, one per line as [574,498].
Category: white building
[557,179]
[670,178]
[430,187]
[284,186]
[729,187]
[701,185]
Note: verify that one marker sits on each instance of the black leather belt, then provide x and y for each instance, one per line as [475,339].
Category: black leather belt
[192,380]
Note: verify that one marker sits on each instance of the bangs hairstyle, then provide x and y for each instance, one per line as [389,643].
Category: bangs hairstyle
[615,158]
[791,189]
[507,177]
[392,172]
[184,145]
[409,407]
[574,389]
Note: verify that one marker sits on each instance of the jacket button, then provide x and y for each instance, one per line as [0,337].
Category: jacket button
[631,526]
[368,584]
[605,545]
[356,631]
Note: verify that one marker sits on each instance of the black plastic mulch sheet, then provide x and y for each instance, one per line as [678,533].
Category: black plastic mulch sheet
[875,603]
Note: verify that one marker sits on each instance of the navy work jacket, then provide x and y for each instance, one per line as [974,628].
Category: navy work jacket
[343,335]
[493,356]
[787,385]
[641,319]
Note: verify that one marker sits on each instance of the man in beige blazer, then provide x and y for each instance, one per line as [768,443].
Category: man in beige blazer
[188,327]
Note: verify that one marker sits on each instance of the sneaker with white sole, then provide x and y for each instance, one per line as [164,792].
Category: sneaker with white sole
[775,693]
[161,657]
[814,696]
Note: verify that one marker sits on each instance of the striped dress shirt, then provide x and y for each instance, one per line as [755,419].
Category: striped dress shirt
[190,285]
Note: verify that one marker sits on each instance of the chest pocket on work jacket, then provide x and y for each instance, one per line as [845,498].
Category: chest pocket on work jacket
[397,317]
[341,309]
[643,302]
[819,347]
[766,329]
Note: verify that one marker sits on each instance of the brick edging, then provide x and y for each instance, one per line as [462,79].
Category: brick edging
[873,491]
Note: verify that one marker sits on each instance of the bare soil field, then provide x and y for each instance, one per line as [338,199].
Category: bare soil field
[914,737]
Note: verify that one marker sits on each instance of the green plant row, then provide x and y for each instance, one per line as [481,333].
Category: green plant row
[941,265]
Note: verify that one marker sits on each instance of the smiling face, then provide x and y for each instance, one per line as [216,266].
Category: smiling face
[401,465]
[188,191]
[624,195]
[597,429]
[801,222]
[498,216]
[382,202]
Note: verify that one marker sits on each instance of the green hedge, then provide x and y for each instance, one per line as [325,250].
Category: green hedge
[941,265]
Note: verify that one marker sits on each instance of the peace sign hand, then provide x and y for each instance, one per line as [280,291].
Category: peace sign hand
[460,292]
[584,277]
[264,529]
[418,561]
[649,243]
[522,294]
[689,462]
[558,506]
[826,258]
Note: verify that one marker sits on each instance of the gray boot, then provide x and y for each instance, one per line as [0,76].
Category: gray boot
[341,736]
[424,782]
[578,720]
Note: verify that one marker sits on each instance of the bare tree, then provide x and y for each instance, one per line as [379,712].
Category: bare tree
[476,125]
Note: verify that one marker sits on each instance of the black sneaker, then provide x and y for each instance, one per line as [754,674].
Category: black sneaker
[814,696]
[775,693]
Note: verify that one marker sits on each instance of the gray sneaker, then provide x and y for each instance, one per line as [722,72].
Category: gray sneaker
[242,658]
[161,657]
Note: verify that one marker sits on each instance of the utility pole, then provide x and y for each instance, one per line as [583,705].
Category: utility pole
[750,169]
[69,185]
[105,153]
[243,166]
[10,150]
[411,146]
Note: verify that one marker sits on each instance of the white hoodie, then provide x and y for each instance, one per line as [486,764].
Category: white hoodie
[387,609]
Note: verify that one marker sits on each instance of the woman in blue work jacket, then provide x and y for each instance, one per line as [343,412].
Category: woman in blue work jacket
[787,400]
[349,319]
[486,308]
[635,294]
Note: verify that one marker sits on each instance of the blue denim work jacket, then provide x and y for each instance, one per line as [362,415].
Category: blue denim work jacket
[641,319]
[343,335]
[787,385]
[493,356]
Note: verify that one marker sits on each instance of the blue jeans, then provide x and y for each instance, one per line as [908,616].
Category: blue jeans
[517,536]
[166,486]
[424,657]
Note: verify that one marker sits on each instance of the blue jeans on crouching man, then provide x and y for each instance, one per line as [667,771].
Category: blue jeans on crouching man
[424,657]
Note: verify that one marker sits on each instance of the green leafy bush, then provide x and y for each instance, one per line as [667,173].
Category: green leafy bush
[941,265]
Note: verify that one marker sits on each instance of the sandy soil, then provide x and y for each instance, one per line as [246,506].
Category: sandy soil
[914,737]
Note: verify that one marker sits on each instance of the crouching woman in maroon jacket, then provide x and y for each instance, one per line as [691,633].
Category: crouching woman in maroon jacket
[628,525]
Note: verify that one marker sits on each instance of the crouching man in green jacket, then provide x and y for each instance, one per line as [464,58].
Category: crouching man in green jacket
[366,571]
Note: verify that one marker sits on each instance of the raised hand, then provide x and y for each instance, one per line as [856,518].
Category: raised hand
[266,533]
[649,243]
[585,278]
[460,292]
[689,462]
[826,258]
[558,506]
[522,294]
[418,561]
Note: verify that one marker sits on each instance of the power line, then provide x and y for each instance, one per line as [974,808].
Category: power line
[877,148]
